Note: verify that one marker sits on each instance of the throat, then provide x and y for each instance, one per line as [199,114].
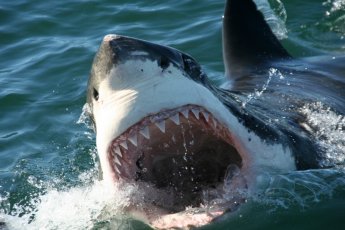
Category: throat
[189,175]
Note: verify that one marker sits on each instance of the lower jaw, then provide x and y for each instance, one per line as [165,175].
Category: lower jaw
[158,219]
[190,217]
[185,219]
[161,210]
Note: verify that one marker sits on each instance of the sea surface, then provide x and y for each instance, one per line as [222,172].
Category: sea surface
[49,169]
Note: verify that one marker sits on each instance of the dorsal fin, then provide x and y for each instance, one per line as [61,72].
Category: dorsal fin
[248,41]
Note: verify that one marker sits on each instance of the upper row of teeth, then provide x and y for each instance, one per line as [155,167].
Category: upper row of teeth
[161,126]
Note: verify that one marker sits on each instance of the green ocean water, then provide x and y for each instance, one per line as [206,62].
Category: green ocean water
[48,162]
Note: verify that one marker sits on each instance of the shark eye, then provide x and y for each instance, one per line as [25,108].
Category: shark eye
[163,62]
[95,94]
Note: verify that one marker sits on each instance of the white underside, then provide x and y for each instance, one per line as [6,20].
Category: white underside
[138,88]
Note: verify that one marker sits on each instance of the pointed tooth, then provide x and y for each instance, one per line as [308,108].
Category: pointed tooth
[161,126]
[196,113]
[206,115]
[124,144]
[176,119]
[145,132]
[214,123]
[116,160]
[117,170]
[117,150]
[134,139]
[185,113]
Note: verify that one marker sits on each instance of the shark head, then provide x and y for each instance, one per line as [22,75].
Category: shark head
[157,120]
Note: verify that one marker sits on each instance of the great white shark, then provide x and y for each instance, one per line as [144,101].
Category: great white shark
[159,120]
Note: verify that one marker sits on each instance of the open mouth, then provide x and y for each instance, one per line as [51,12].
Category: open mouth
[184,150]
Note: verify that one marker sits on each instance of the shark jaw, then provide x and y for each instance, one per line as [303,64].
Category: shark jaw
[185,150]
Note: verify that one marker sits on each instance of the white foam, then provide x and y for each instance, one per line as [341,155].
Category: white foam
[327,127]
[336,5]
[79,207]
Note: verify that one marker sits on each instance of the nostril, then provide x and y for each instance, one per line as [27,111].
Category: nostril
[95,94]
[163,62]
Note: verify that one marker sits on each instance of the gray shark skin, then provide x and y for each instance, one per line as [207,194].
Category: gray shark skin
[247,62]
[159,120]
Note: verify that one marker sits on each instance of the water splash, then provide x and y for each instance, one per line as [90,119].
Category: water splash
[84,117]
[80,207]
[334,16]
[335,5]
[90,207]
[230,194]
[328,128]
[301,189]
[235,183]
[272,73]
